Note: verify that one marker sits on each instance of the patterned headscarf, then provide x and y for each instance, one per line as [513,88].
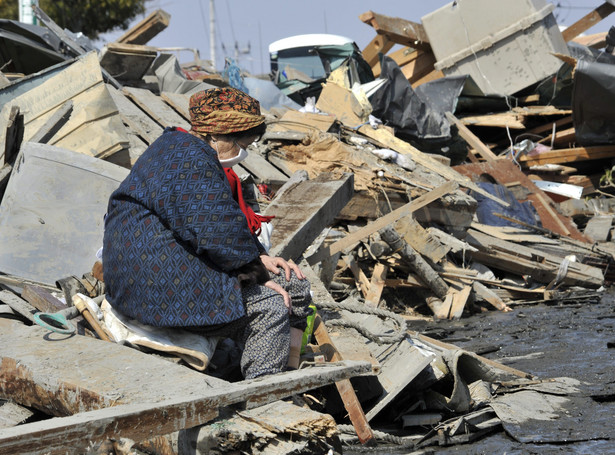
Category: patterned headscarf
[224,111]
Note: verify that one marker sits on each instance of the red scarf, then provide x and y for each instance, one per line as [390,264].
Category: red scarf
[254,219]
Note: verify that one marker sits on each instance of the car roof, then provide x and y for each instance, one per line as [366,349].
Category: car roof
[315,39]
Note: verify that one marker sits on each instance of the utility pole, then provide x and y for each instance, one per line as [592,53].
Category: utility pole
[212,33]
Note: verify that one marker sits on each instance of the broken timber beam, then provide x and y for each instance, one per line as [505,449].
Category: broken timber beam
[146,29]
[53,124]
[139,421]
[569,155]
[415,261]
[380,44]
[376,285]
[588,21]
[357,236]
[12,122]
[389,140]
[472,140]
[344,387]
[398,30]
[304,211]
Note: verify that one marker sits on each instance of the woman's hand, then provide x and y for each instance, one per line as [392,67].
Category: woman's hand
[272,264]
[280,290]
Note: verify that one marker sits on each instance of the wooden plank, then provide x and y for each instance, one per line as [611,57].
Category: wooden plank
[512,120]
[460,298]
[596,41]
[522,260]
[77,433]
[513,234]
[40,369]
[567,136]
[398,30]
[352,239]
[46,132]
[146,29]
[304,211]
[421,240]
[549,126]
[482,292]
[598,228]
[380,44]
[93,109]
[139,122]
[12,414]
[178,101]
[19,305]
[41,299]
[546,203]
[11,133]
[361,281]
[472,140]
[421,68]
[157,109]
[262,170]
[440,308]
[416,262]
[569,155]
[588,21]
[376,285]
[397,370]
[344,387]
[388,140]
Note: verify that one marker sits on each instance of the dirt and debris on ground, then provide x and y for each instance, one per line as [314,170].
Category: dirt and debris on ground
[455,220]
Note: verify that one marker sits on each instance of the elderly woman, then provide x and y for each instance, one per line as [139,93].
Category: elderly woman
[180,246]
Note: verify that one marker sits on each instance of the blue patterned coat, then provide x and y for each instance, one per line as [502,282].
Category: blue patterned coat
[173,233]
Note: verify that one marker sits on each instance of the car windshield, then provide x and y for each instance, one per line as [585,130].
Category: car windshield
[299,63]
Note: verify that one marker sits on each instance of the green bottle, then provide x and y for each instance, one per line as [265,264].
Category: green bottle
[307,333]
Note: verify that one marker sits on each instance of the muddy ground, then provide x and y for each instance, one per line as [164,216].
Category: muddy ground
[574,338]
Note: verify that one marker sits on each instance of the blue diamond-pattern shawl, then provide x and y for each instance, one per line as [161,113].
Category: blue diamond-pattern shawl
[173,232]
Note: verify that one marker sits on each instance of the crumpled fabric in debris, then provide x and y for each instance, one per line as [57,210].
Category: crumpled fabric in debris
[196,350]
[416,112]
[232,73]
[488,208]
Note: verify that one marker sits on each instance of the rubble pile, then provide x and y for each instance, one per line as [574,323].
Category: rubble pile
[470,174]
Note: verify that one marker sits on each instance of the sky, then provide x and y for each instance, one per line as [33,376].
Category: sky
[253,24]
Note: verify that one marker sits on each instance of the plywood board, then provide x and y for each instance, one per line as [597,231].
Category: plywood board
[156,108]
[41,219]
[398,369]
[82,82]
[138,121]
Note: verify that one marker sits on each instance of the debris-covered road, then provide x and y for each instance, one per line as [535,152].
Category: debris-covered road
[574,339]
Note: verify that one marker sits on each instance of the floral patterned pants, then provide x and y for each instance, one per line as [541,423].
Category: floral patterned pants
[265,329]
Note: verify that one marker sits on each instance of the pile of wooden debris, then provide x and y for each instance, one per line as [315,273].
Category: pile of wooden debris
[386,233]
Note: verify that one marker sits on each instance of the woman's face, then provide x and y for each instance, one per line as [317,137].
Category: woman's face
[227,147]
